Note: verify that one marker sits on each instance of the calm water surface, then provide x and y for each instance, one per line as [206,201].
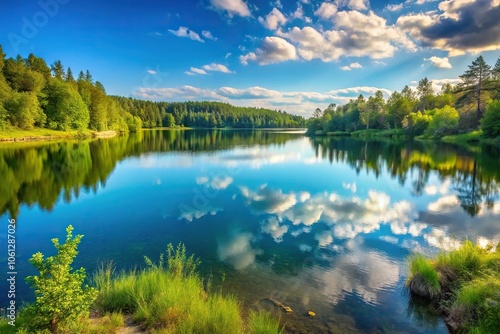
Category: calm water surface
[318,224]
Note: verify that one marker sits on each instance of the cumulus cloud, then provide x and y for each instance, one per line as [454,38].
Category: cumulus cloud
[439,62]
[355,33]
[232,7]
[458,26]
[208,35]
[394,7]
[326,10]
[273,20]
[272,50]
[351,66]
[186,32]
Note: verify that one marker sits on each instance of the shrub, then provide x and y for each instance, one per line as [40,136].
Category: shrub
[490,124]
[443,122]
[60,298]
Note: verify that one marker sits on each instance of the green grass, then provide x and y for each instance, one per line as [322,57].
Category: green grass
[392,133]
[465,138]
[338,133]
[424,278]
[470,278]
[169,297]
[263,323]
[12,133]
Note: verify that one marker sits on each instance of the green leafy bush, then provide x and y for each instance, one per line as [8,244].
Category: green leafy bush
[443,122]
[490,124]
[60,298]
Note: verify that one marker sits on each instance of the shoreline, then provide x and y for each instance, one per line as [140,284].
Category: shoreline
[54,136]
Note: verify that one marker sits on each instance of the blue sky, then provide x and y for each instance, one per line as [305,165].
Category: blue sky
[290,55]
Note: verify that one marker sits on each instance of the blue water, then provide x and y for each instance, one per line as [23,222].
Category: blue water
[322,225]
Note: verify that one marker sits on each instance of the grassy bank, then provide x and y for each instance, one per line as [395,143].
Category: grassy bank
[166,297]
[12,134]
[464,285]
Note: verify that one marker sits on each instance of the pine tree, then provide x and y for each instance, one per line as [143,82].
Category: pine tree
[474,83]
[424,90]
[57,69]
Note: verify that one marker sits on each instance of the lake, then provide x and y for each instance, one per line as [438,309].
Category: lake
[321,224]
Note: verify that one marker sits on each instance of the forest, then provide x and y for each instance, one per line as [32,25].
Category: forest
[473,104]
[36,95]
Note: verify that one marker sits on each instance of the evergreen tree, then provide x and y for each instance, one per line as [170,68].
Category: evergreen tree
[474,82]
[424,90]
[69,75]
[57,70]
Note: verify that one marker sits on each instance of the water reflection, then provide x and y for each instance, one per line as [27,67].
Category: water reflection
[39,173]
[474,173]
[323,225]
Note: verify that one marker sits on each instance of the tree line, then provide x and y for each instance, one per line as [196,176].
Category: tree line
[33,94]
[473,103]
[207,114]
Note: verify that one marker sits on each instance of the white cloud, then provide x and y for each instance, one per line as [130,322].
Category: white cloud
[217,68]
[186,32]
[273,20]
[210,68]
[194,71]
[353,4]
[326,10]
[208,35]
[439,62]
[272,50]
[228,55]
[152,72]
[394,7]
[355,34]
[232,7]
[351,66]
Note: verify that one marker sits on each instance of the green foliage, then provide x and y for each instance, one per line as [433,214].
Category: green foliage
[423,278]
[65,109]
[177,262]
[168,297]
[24,110]
[490,124]
[60,298]
[263,323]
[416,124]
[471,277]
[443,122]
[169,120]
[478,302]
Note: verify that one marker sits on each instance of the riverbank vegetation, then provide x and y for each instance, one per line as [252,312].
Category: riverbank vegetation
[471,105]
[35,96]
[166,297]
[463,284]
